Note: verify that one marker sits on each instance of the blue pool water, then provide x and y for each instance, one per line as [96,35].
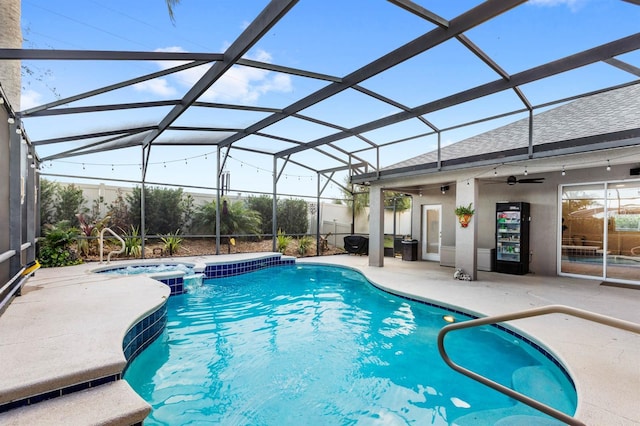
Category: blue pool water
[318,345]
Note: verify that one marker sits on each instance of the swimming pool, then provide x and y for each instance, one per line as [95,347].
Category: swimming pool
[320,345]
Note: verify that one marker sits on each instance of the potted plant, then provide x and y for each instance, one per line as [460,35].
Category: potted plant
[464,214]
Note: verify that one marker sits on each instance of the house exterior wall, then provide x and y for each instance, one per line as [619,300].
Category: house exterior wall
[545,208]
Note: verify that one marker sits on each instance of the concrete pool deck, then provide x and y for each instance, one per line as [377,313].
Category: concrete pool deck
[69,324]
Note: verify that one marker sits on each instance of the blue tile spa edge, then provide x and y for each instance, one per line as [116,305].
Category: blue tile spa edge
[222,270]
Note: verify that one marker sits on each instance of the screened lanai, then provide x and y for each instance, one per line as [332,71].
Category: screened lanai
[301,98]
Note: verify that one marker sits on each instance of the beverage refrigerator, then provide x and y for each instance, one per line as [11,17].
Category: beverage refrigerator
[512,237]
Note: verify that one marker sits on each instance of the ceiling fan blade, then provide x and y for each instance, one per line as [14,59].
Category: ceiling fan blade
[532,180]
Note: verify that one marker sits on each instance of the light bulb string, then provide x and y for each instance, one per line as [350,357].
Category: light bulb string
[493,169]
[184,159]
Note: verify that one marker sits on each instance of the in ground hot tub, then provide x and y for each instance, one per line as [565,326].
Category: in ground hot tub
[175,275]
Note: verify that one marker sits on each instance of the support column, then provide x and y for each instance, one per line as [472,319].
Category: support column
[274,206]
[32,216]
[218,211]
[16,182]
[376,227]
[318,248]
[143,195]
[467,238]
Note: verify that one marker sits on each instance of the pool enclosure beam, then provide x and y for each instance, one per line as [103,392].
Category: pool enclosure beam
[584,58]
[470,19]
[43,109]
[269,16]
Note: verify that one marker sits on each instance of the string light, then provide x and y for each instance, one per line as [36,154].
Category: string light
[608,166]
[525,171]
[10,120]
[563,172]
[495,171]
[186,161]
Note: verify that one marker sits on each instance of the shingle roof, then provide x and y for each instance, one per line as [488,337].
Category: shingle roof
[607,112]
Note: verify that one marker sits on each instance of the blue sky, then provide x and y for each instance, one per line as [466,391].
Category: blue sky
[334,37]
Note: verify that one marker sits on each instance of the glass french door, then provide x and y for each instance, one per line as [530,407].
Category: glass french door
[431,232]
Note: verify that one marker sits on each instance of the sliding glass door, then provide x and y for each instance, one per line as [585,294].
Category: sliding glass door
[600,230]
[623,228]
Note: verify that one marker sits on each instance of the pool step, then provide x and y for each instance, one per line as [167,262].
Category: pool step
[539,383]
[533,381]
[113,403]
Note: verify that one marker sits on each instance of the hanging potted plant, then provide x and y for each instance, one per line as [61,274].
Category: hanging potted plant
[464,214]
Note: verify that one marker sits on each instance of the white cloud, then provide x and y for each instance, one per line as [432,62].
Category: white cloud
[29,99]
[571,4]
[157,86]
[239,84]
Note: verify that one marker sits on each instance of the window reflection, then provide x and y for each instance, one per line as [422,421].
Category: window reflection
[583,229]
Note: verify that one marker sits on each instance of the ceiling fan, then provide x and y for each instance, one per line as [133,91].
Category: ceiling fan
[511,180]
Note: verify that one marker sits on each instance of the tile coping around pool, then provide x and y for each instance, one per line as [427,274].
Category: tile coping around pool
[217,269]
[145,330]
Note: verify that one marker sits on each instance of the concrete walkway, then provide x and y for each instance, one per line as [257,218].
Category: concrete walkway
[69,324]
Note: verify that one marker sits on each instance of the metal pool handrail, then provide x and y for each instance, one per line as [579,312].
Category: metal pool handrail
[102,244]
[545,310]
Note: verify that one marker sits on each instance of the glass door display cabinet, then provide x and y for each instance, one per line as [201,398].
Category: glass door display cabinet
[512,238]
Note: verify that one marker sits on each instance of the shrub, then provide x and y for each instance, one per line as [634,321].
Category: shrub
[70,202]
[48,198]
[164,209]
[55,247]
[292,216]
[172,243]
[303,244]
[132,243]
[282,241]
